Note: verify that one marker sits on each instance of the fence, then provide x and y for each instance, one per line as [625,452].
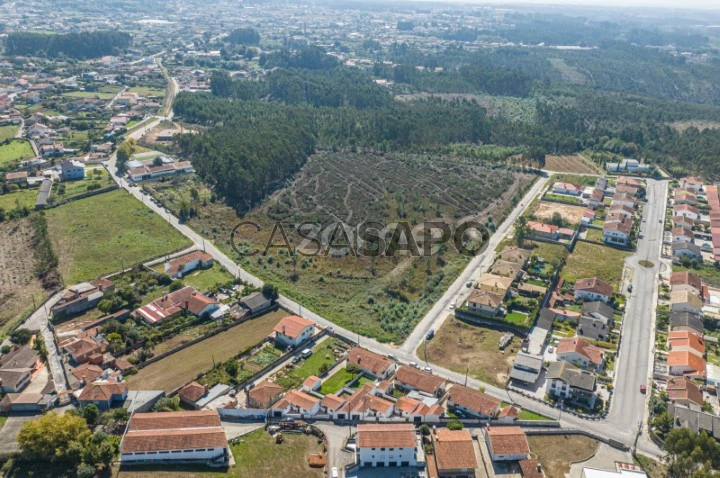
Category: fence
[579,431]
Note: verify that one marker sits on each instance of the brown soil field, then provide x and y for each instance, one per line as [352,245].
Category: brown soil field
[18,284]
[458,345]
[570,164]
[572,214]
[556,452]
[184,366]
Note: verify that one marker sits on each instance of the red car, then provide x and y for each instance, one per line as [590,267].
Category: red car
[643,389]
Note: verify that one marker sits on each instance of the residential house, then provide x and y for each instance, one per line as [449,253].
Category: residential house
[625,200]
[542,231]
[567,188]
[566,233]
[264,394]
[686,249]
[14,380]
[418,411]
[21,357]
[145,172]
[686,363]
[293,330]
[82,297]
[511,270]
[185,300]
[296,402]
[484,302]
[26,402]
[566,381]
[71,169]
[255,303]
[617,233]
[680,234]
[691,184]
[88,372]
[593,329]
[180,266]
[581,353]
[622,210]
[527,289]
[175,437]
[51,149]
[627,189]
[685,301]
[472,402]
[684,222]
[20,177]
[191,393]
[680,321]
[371,363]
[104,395]
[592,289]
[596,198]
[85,349]
[365,403]
[685,197]
[588,216]
[311,384]
[330,404]
[682,340]
[683,391]
[454,453]
[599,310]
[686,278]
[387,445]
[507,443]
[686,210]
[527,367]
[411,378]
[496,284]
[516,255]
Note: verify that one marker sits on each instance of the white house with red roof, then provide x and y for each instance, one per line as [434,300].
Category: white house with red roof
[293,330]
[592,289]
[581,353]
[178,267]
[186,300]
[388,445]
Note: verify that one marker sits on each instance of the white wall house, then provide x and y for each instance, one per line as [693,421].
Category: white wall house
[388,445]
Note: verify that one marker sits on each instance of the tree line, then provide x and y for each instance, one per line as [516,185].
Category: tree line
[80,45]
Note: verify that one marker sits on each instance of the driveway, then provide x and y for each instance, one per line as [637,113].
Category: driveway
[9,432]
[236,429]
[336,436]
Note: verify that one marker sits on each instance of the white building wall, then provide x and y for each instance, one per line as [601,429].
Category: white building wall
[170,456]
[371,457]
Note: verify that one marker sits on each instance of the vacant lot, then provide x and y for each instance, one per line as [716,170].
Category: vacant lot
[21,197]
[203,279]
[458,345]
[571,164]
[18,284]
[555,453]
[185,365]
[147,91]
[380,297]
[572,214]
[100,234]
[321,360]
[15,150]
[594,260]
[8,131]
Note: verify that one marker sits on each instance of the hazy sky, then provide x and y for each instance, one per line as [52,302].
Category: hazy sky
[683,4]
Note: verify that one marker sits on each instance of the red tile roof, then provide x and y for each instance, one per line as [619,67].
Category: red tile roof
[174,431]
[581,347]
[508,441]
[292,325]
[454,450]
[399,435]
[474,400]
[87,372]
[192,392]
[593,284]
[419,379]
[175,265]
[681,388]
[102,391]
[265,392]
[365,359]
[687,359]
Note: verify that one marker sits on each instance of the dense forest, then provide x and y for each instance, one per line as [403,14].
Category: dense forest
[80,45]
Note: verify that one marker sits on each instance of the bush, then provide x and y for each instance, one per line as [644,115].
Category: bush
[455,424]
[21,336]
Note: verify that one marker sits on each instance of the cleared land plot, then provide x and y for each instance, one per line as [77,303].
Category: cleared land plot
[78,323]
[15,150]
[185,365]
[8,131]
[571,164]
[458,345]
[100,234]
[18,283]
[572,214]
[256,454]
[594,260]
[203,279]
[147,91]
[21,197]
[556,452]
[383,297]
[106,93]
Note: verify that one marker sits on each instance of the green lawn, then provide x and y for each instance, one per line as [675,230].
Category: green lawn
[23,197]
[8,131]
[551,253]
[593,260]
[337,381]
[517,318]
[16,150]
[201,279]
[322,357]
[98,235]
[528,415]
[80,186]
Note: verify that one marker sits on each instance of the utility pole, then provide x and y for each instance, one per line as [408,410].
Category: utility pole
[467,369]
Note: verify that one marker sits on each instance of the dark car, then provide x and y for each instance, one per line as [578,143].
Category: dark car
[430,334]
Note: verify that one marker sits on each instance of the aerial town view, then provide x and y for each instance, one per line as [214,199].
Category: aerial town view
[352,238]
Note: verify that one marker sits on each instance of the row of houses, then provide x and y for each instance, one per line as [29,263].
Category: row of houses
[619,220]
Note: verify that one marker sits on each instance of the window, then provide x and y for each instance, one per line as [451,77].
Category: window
[164,452]
[176,451]
[382,449]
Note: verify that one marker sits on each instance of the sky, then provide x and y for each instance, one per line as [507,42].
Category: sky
[683,4]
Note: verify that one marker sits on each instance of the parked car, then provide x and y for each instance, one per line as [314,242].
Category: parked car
[643,389]
[413,364]
[469,283]
[428,369]
[430,334]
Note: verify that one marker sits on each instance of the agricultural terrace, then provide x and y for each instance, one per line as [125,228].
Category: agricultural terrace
[378,297]
[459,347]
[594,260]
[18,283]
[103,233]
[184,366]
[15,150]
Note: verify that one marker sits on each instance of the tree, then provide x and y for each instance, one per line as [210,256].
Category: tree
[521,231]
[49,437]
[663,422]
[270,291]
[244,36]
[91,413]
[690,454]
[167,404]
[85,471]
[21,336]
[455,424]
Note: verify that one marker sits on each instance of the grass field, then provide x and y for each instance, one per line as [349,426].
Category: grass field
[457,346]
[22,197]
[380,297]
[337,381]
[102,233]
[551,253]
[147,91]
[256,454]
[593,260]
[204,279]
[8,131]
[556,452]
[185,365]
[16,150]
[571,164]
[528,415]
[105,93]
[321,359]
